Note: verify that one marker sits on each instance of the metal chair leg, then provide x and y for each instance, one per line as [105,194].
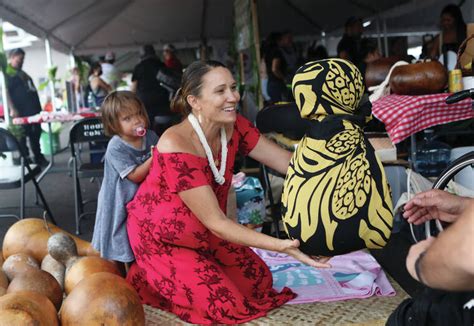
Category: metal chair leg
[22,185]
[269,193]
[45,204]
[77,196]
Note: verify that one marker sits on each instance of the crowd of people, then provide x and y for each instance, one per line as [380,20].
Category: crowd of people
[162,204]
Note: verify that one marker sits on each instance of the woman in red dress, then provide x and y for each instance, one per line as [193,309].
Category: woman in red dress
[191,259]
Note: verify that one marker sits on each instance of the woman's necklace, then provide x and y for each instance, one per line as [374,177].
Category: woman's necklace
[218,175]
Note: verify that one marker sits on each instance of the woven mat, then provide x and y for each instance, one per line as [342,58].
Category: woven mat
[372,311]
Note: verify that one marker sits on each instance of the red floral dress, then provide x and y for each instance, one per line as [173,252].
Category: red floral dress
[180,265]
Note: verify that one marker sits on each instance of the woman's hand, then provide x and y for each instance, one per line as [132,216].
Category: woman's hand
[290,247]
[434,204]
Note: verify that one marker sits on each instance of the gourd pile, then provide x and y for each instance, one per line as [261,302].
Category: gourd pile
[41,264]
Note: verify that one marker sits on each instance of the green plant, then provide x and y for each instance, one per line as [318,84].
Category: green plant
[16,130]
[51,77]
[83,68]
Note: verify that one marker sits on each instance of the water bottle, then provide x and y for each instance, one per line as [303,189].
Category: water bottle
[432,157]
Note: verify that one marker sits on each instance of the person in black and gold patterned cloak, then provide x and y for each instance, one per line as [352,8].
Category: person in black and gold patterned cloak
[335,196]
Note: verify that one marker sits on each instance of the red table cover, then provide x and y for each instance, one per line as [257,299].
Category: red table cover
[44,116]
[404,115]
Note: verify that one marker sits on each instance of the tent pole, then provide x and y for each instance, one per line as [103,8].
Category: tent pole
[49,62]
[72,61]
[3,82]
[256,40]
[385,37]
[203,47]
[379,41]
[256,31]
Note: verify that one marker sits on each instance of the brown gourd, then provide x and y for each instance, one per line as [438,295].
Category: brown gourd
[38,281]
[62,248]
[103,299]
[1,258]
[419,78]
[31,235]
[55,268]
[27,308]
[24,275]
[377,71]
[19,263]
[3,283]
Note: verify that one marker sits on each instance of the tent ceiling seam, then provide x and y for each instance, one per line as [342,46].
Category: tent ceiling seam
[304,15]
[364,7]
[44,31]
[78,13]
[105,23]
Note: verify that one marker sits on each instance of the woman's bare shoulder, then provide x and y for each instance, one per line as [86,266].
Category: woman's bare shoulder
[176,139]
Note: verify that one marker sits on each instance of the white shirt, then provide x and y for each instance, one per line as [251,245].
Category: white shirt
[110,74]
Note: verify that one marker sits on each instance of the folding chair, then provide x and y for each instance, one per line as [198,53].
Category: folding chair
[87,131]
[275,208]
[16,176]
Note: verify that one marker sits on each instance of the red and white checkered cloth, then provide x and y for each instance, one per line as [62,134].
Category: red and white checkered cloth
[44,116]
[405,115]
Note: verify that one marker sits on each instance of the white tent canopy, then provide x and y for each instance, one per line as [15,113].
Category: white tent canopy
[93,26]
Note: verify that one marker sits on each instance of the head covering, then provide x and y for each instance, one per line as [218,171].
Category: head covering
[110,55]
[327,87]
[335,196]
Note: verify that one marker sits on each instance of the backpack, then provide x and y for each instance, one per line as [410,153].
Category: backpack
[169,79]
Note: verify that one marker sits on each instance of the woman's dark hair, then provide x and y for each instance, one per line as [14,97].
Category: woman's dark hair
[191,84]
[94,67]
[455,12]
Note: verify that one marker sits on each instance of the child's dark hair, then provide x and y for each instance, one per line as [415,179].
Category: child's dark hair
[191,84]
[117,103]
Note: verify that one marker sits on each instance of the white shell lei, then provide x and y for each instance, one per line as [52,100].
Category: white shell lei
[218,175]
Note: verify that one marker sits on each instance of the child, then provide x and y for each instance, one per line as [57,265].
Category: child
[127,162]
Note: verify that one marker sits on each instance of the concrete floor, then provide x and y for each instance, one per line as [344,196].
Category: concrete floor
[58,190]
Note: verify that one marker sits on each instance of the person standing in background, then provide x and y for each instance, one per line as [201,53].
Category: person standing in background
[146,85]
[288,50]
[109,73]
[277,68]
[171,60]
[24,102]
[349,46]
[98,87]
[453,31]
[368,53]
